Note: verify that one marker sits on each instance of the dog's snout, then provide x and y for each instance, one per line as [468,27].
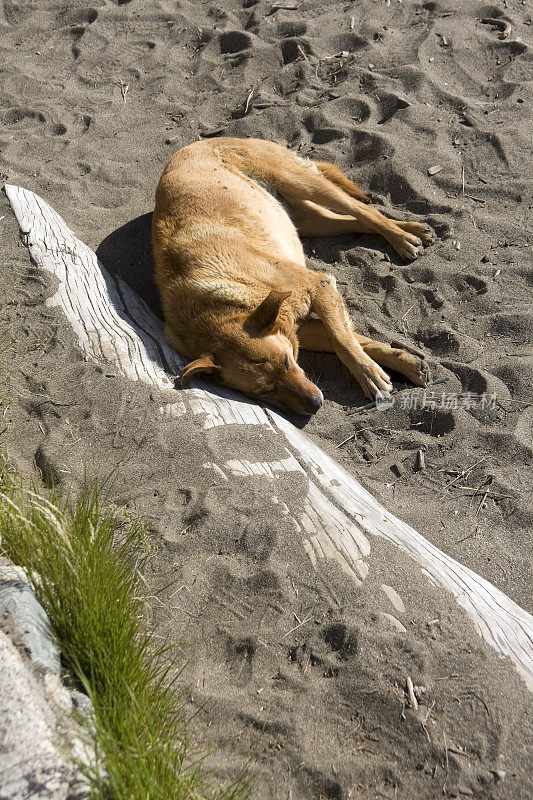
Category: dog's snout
[313,403]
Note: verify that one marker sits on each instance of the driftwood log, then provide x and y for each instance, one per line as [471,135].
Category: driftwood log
[114,325]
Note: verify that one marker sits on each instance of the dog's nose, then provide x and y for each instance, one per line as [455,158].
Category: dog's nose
[313,403]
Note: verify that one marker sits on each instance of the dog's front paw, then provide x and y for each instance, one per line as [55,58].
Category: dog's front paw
[409,250]
[427,235]
[407,245]
[374,382]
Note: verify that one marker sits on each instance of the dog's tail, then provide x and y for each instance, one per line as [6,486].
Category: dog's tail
[336,176]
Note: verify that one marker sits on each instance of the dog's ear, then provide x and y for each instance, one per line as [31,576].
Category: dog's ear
[265,315]
[203,364]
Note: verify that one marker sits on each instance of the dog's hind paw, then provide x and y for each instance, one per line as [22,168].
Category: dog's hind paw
[421,230]
[409,250]
[410,238]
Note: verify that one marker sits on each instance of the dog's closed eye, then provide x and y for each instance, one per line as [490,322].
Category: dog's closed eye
[287,364]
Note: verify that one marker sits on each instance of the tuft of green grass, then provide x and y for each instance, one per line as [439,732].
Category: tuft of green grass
[87,578]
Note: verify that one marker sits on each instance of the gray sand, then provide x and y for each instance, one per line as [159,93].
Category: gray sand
[94,102]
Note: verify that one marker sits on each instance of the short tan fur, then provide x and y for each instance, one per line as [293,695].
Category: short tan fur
[237,296]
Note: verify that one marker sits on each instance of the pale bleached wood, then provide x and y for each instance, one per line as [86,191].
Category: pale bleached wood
[114,325]
[503,623]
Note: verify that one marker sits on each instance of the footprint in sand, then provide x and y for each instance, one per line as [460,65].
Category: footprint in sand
[14,116]
[321,130]
[340,638]
[471,379]
[80,16]
[234,42]
[370,147]
[433,422]
[76,22]
[441,341]
[517,374]
[20,118]
[292,28]
[295,49]
[50,474]
[346,42]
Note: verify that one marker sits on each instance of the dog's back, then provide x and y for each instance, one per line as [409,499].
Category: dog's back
[206,204]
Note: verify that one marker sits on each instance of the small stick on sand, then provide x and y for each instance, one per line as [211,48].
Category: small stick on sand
[426,720]
[413,702]
[297,626]
[402,320]
[480,700]
[464,473]
[249,99]
[124,88]
[480,506]
[348,439]
[488,493]
[285,7]
[420,461]
[447,764]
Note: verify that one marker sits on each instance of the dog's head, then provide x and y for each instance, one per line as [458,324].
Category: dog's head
[255,356]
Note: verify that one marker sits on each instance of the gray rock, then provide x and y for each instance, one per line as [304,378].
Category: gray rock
[23,617]
[30,763]
[37,727]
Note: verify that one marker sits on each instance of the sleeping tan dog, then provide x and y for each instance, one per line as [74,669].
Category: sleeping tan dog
[237,296]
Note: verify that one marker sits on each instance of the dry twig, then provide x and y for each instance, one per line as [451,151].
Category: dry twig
[413,702]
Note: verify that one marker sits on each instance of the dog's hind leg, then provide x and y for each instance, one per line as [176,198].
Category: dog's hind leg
[313,220]
[336,228]
[300,179]
[301,183]
[337,176]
